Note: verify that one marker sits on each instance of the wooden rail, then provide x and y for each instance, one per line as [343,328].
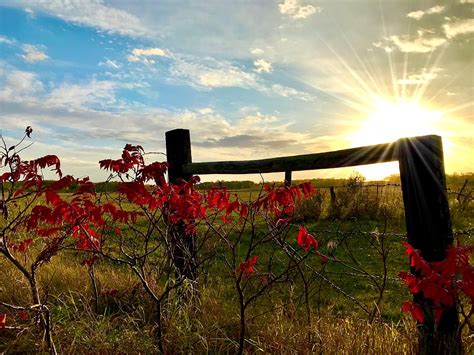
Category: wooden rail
[341,158]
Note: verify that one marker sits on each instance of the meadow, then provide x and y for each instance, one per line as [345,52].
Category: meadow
[351,304]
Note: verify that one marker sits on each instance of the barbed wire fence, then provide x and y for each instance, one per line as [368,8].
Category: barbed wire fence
[360,226]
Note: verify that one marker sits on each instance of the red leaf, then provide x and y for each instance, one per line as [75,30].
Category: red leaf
[406,306]
[415,309]
[247,267]
[52,197]
[306,240]
[417,312]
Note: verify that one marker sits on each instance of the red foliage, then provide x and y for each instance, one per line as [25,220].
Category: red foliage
[439,282]
[247,267]
[415,309]
[306,240]
[23,246]
[131,158]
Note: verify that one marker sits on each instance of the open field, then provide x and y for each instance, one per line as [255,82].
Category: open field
[352,224]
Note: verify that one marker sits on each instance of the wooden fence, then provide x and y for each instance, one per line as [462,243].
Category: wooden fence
[422,176]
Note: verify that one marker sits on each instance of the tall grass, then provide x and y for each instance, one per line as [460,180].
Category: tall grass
[124,323]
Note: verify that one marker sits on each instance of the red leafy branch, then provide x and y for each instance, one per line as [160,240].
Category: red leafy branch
[441,282]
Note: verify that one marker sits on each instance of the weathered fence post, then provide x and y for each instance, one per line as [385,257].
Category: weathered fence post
[428,226]
[333,209]
[178,153]
[288,178]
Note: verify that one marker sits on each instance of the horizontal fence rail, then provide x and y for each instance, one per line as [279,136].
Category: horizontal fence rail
[380,153]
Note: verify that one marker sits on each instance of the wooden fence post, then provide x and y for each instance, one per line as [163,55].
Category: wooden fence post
[428,226]
[178,153]
[288,178]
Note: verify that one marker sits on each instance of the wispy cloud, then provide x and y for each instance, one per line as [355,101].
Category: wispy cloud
[422,43]
[384,46]
[145,55]
[426,41]
[460,27]
[92,94]
[93,13]
[290,92]
[29,11]
[423,77]
[296,10]
[211,73]
[19,86]
[257,118]
[417,15]
[33,53]
[4,39]
[257,51]
[111,64]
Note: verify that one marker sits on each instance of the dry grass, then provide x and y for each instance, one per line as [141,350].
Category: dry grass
[124,323]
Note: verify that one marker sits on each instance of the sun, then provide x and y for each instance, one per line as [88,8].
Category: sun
[389,120]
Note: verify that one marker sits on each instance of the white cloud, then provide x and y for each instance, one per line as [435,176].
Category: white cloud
[296,10]
[212,74]
[423,77]
[435,9]
[143,54]
[257,51]
[111,64]
[257,118]
[419,44]
[460,27]
[383,46]
[291,92]
[4,39]
[417,15]
[19,86]
[262,66]
[33,53]
[92,13]
[73,96]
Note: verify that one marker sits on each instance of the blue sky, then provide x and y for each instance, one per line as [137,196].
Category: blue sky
[248,78]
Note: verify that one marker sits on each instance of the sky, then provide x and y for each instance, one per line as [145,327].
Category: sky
[249,79]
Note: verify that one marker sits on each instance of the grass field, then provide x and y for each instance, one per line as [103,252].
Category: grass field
[354,226]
